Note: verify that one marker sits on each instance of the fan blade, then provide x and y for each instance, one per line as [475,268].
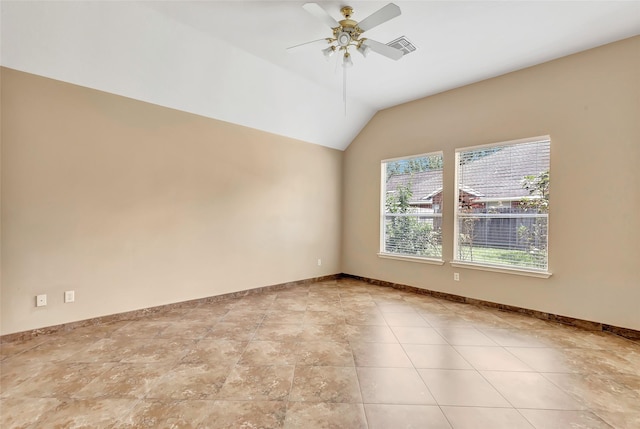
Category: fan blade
[307,43]
[316,10]
[383,15]
[382,49]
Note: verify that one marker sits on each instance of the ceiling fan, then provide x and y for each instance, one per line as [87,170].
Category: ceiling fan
[347,32]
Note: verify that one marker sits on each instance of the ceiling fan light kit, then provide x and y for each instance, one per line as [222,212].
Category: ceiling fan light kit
[364,50]
[328,52]
[346,61]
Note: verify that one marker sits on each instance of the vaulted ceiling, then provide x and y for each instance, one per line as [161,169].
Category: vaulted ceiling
[228,60]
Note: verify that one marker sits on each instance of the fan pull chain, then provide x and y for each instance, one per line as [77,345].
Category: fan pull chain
[344,89]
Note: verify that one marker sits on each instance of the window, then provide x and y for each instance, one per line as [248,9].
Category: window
[411,207]
[503,204]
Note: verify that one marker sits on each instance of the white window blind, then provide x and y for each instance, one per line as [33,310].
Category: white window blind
[503,204]
[412,206]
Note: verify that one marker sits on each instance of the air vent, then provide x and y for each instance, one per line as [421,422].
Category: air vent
[403,44]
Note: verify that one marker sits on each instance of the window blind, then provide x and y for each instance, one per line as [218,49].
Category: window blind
[503,204]
[412,206]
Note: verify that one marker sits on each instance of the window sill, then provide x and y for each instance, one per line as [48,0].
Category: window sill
[411,258]
[499,269]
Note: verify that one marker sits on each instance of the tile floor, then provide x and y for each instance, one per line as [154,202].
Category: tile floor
[337,354]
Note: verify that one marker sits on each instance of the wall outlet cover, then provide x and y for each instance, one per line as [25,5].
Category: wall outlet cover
[41,300]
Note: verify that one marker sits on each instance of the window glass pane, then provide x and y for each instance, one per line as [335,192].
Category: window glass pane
[503,205]
[412,206]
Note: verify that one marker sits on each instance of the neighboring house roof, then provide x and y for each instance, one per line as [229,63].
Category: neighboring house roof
[497,176]
[500,174]
[425,185]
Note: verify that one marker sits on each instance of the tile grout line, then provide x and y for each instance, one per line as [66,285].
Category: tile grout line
[355,369]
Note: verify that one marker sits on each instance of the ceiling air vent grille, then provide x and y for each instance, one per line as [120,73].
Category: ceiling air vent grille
[403,44]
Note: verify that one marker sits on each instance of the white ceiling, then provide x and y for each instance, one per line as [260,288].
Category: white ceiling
[227,59]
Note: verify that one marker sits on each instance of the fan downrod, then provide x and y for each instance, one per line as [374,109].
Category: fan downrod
[349,25]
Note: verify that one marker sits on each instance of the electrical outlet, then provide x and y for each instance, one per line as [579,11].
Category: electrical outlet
[319,262]
[41,300]
[456,277]
[69,296]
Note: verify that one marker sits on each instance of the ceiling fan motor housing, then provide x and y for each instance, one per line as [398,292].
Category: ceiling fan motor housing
[347,32]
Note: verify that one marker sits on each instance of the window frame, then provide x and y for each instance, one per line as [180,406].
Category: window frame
[383,197]
[484,266]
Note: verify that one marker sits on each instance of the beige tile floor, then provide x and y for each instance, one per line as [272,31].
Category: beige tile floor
[338,354]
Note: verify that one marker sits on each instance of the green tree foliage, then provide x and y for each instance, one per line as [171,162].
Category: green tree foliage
[414,165]
[538,188]
[407,234]
[468,157]
[535,235]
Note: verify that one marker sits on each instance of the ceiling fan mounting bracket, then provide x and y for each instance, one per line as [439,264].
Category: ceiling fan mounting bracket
[346,11]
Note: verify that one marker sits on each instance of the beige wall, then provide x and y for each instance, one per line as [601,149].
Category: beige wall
[589,103]
[134,205]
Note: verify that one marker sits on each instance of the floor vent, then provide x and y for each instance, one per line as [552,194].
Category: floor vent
[403,44]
